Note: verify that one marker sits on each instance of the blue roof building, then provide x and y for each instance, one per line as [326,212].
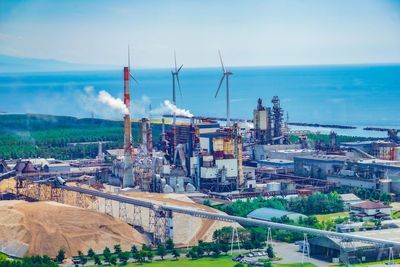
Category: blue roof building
[266,214]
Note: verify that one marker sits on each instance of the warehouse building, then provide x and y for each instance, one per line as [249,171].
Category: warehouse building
[376,174]
[351,252]
[368,210]
[379,149]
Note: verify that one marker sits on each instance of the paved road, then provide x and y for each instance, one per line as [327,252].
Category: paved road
[290,254]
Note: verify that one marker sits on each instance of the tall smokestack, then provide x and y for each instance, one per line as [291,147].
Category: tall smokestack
[128,179]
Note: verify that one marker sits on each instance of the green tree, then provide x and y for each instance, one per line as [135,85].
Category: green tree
[150,255]
[97,260]
[270,252]
[248,245]
[216,249]
[142,255]
[134,249]
[169,244]
[136,256]
[224,248]
[239,264]
[107,254]
[175,253]
[113,260]
[146,248]
[267,264]
[91,253]
[80,253]
[60,256]
[207,202]
[83,259]
[123,257]
[117,248]
[161,251]
[191,254]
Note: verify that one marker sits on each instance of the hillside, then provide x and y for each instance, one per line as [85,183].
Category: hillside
[46,136]
[18,64]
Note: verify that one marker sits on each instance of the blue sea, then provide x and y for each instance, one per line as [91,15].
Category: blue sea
[358,95]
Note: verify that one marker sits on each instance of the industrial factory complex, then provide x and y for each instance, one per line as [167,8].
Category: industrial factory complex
[218,159]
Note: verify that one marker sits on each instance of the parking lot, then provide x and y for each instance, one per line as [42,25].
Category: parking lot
[288,252]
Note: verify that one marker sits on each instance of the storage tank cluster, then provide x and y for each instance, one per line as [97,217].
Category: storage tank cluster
[172,185]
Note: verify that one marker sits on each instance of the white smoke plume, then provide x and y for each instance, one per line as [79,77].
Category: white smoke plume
[168,107]
[247,125]
[114,103]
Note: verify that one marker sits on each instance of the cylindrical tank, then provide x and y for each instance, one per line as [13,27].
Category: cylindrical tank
[172,181]
[180,181]
[384,185]
[288,185]
[274,186]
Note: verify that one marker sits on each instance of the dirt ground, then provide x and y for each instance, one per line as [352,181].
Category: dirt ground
[7,185]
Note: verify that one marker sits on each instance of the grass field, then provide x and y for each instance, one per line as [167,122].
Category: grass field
[325,217]
[221,261]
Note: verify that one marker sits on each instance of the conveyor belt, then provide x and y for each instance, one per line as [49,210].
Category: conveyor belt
[108,196]
[240,220]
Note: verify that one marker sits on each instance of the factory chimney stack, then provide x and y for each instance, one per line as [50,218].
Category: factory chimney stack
[128,179]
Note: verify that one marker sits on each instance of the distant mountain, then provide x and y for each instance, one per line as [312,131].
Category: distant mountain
[17,64]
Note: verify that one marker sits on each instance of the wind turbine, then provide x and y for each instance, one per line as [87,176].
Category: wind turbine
[225,74]
[175,76]
[129,66]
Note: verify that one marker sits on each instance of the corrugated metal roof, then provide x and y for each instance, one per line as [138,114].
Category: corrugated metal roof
[267,214]
[349,197]
[370,205]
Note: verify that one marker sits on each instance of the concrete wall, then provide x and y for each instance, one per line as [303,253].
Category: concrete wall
[231,166]
[314,169]
[209,172]
[353,181]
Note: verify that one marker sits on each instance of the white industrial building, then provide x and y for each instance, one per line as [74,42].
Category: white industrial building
[373,174]
[368,210]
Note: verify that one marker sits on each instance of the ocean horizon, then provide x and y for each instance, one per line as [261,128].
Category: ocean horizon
[359,95]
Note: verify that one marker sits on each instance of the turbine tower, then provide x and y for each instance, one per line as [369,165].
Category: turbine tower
[175,76]
[128,179]
[225,74]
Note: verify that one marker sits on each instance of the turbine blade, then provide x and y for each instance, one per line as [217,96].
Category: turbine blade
[133,78]
[175,59]
[179,84]
[129,59]
[222,63]
[180,68]
[219,86]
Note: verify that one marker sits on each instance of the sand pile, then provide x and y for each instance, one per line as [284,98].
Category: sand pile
[31,228]
[185,226]
[8,185]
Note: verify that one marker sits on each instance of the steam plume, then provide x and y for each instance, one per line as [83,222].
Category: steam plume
[171,108]
[114,103]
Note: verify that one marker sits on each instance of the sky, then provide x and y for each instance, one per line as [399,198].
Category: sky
[249,33]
